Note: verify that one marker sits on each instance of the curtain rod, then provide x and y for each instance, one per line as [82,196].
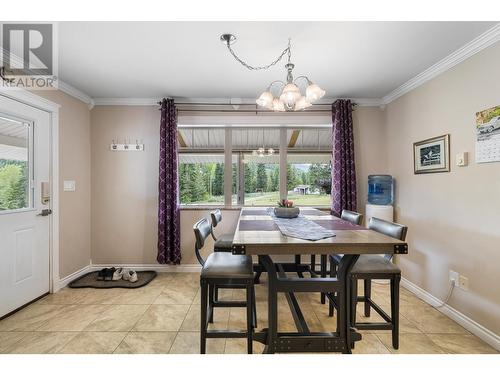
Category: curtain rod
[238,104]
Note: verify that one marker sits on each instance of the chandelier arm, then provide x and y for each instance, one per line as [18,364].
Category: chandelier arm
[250,67]
[306,77]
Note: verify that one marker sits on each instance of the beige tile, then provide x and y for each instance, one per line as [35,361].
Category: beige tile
[405,325]
[162,318]
[117,318]
[429,320]
[93,343]
[74,318]
[461,344]
[370,344]
[411,343]
[41,342]
[146,343]
[189,343]
[30,318]
[100,296]
[66,296]
[8,339]
[182,296]
[193,319]
[139,296]
[239,346]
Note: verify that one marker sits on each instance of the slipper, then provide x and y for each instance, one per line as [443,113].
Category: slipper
[101,274]
[109,274]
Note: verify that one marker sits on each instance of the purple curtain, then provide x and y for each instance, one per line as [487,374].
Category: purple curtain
[343,168]
[169,246]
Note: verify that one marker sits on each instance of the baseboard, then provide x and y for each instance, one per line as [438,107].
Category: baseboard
[152,267]
[75,275]
[477,329]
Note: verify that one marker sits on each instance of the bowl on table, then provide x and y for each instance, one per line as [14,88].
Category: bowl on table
[286,212]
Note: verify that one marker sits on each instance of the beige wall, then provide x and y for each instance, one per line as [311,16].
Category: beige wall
[453,218]
[124,185]
[74,164]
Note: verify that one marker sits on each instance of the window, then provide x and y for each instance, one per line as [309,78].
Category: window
[309,179]
[201,179]
[15,192]
[261,180]
[255,179]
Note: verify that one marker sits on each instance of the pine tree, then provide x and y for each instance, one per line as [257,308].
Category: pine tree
[250,178]
[261,180]
[274,183]
[218,181]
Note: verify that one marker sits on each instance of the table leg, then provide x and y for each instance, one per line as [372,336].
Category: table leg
[344,298]
[272,303]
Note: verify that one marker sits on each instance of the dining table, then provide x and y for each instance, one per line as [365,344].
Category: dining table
[260,233]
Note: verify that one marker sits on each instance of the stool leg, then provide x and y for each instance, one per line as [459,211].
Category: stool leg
[354,300]
[250,313]
[368,295]
[395,310]
[298,261]
[254,308]
[203,322]
[216,293]
[210,303]
[323,275]
[313,263]
[332,274]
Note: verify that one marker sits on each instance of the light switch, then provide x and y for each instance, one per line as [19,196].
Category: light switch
[69,185]
[461,159]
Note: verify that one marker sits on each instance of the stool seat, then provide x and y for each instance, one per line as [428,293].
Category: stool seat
[227,265]
[224,243]
[374,264]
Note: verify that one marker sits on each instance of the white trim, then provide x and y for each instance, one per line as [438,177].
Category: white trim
[152,267]
[477,329]
[75,275]
[74,92]
[476,45]
[52,108]
[127,101]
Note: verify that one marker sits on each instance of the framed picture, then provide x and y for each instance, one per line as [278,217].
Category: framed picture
[432,155]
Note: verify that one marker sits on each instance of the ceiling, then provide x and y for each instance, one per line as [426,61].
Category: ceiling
[186,59]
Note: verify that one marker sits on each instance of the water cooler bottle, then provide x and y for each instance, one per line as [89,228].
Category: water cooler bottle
[380,198]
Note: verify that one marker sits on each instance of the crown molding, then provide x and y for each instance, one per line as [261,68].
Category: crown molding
[126,101]
[78,94]
[478,44]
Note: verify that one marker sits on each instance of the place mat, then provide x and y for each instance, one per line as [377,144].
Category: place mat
[258,212]
[339,225]
[301,227]
[257,225]
[89,280]
[312,212]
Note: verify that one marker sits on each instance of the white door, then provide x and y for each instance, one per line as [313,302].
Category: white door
[24,195]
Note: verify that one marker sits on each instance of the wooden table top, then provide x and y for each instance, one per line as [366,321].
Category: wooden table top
[257,234]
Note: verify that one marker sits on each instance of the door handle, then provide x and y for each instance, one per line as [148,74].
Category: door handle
[45,212]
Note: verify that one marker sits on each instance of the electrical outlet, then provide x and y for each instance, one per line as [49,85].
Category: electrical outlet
[454,276]
[463,282]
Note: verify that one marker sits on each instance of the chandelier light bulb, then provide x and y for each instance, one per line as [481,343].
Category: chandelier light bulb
[278,105]
[290,95]
[302,103]
[265,100]
[270,151]
[314,92]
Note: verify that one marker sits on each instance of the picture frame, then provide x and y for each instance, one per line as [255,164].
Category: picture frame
[432,155]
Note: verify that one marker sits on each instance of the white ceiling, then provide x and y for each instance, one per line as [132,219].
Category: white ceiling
[186,59]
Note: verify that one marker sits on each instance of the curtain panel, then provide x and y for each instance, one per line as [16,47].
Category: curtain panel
[343,167]
[169,246]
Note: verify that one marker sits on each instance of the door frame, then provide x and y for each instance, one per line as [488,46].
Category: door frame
[33,100]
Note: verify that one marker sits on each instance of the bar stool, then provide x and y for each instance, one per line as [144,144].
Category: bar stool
[353,218]
[370,267]
[225,241]
[230,271]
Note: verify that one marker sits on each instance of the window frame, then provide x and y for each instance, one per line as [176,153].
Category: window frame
[228,152]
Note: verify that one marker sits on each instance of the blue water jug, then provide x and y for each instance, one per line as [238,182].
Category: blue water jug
[380,189]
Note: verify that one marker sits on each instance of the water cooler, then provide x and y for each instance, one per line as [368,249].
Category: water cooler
[380,198]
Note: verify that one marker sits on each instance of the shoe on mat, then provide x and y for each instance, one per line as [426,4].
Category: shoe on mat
[109,274]
[118,274]
[101,274]
[130,275]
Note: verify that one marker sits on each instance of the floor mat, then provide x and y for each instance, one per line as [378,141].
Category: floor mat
[89,280]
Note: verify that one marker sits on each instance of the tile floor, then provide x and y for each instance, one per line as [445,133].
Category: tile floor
[163,317]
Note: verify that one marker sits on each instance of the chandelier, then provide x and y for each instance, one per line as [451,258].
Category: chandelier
[289,97]
[261,151]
